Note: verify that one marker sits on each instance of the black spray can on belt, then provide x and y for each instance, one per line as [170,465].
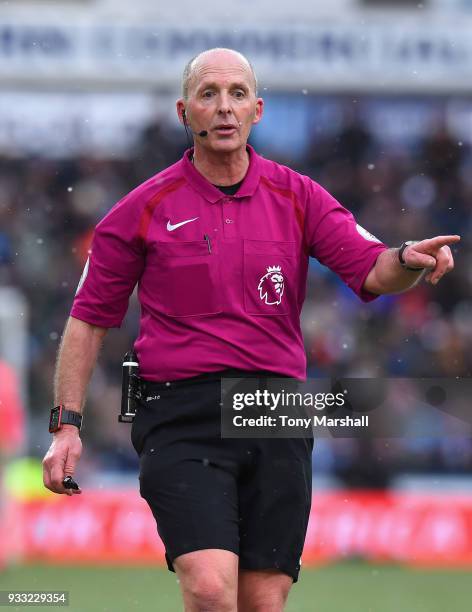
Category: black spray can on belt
[130,388]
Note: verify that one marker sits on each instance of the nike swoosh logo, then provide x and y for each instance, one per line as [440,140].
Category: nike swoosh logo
[171,228]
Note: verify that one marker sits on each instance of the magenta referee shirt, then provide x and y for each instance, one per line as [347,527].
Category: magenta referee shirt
[221,279]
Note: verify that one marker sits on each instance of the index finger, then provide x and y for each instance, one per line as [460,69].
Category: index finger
[439,241]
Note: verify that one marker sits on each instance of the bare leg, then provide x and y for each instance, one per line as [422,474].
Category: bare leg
[263,590]
[209,580]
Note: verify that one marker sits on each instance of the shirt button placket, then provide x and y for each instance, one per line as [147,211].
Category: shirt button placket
[228,212]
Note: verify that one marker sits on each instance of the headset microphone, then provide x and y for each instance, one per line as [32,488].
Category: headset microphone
[202,133]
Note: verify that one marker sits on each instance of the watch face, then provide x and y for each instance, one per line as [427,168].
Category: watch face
[55,419]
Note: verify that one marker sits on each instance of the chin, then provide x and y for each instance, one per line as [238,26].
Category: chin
[228,146]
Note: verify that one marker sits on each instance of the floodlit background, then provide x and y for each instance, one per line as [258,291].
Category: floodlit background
[372,99]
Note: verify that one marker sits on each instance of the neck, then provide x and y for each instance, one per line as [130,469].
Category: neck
[221,168]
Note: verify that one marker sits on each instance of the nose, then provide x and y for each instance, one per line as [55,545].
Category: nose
[224,106]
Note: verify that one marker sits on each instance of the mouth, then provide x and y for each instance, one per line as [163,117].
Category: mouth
[225,129]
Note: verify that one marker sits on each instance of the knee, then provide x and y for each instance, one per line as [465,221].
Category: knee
[263,596]
[211,594]
[208,579]
[274,604]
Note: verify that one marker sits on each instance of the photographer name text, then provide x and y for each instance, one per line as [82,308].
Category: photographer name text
[282,420]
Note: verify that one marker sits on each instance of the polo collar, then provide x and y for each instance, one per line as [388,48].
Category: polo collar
[212,193]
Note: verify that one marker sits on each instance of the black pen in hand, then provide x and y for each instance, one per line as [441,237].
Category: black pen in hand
[69,483]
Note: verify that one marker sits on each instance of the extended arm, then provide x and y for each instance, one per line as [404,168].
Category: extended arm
[389,276]
[77,357]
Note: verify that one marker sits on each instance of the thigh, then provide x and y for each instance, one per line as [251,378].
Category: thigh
[275,502]
[187,472]
[193,499]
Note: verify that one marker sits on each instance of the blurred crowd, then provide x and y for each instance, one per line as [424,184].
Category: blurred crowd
[48,209]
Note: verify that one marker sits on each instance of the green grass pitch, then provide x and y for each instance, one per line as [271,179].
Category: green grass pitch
[349,587]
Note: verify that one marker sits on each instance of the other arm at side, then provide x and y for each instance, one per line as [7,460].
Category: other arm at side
[76,360]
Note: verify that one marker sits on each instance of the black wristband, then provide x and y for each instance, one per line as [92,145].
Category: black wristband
[400,256]
[60,416]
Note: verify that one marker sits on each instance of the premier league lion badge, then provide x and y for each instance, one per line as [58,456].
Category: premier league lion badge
[271,286]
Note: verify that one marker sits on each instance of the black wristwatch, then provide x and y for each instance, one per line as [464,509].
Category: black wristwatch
[60,416]
[400,255]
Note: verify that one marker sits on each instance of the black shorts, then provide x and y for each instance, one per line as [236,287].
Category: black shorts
[249,496]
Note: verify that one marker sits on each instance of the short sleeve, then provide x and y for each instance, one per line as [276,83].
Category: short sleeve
[114,267]
[337,241]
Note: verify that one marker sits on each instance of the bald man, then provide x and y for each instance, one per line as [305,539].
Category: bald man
[219,245]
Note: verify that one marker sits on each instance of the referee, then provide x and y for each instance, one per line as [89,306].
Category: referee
[218,245]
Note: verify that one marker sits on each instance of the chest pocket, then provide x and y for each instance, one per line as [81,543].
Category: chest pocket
[188,278]
[269,277]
